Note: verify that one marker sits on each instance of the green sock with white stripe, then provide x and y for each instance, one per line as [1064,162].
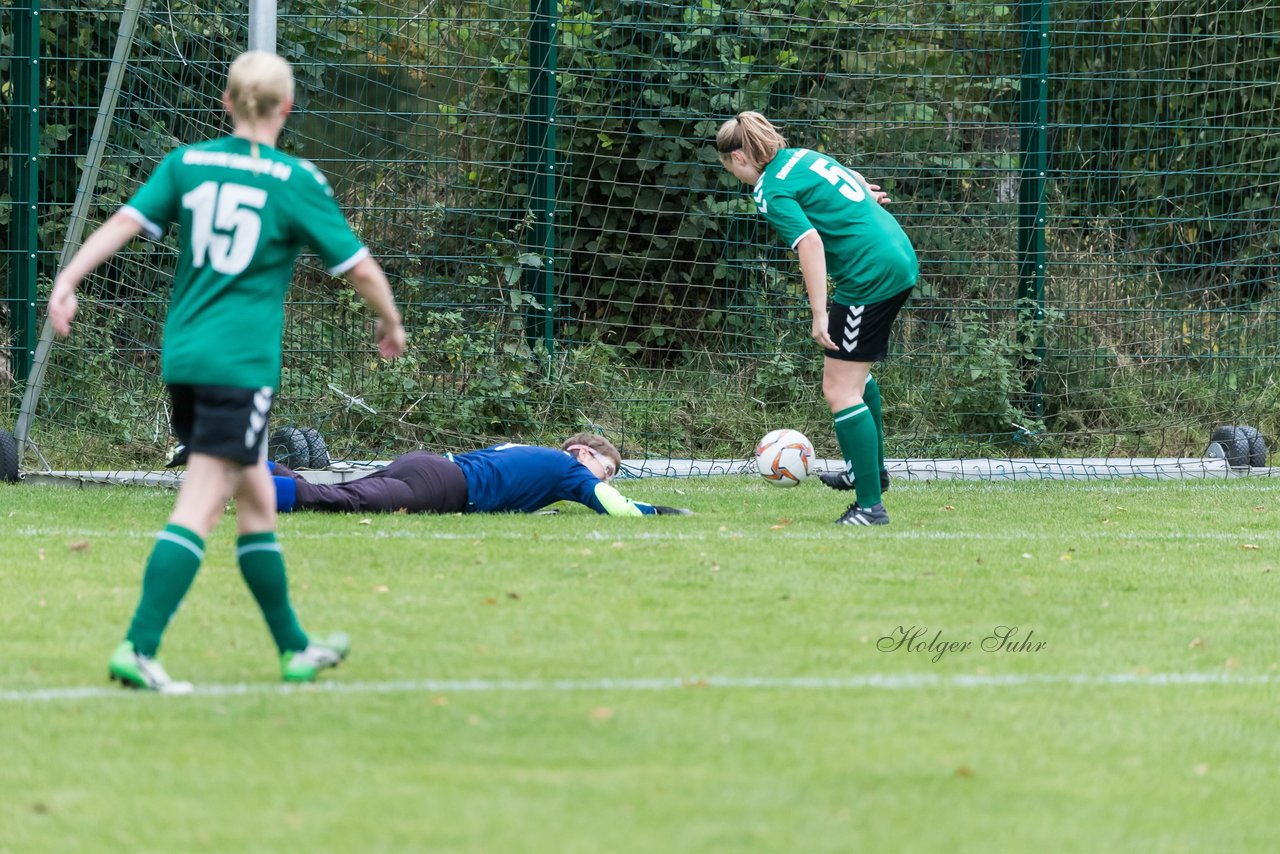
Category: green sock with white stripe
[172,567]
[856,433]
[262,566]
[871,397]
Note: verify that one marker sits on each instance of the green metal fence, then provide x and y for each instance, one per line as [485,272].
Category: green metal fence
[20,214]
[1091,188]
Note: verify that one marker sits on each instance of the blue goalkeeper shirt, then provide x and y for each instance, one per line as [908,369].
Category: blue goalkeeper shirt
[522,478]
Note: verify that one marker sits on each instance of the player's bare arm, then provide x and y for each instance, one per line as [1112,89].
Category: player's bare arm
[371,283]
[101,245]
[878,194]
[813,265]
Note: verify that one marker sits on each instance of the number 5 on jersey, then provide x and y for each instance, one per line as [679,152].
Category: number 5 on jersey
[225,225]
[841,178]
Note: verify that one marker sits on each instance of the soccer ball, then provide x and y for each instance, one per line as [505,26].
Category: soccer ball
[783,457]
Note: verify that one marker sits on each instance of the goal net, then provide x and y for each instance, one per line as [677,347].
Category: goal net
[539,182]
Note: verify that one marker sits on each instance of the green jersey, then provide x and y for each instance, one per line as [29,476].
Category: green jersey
[241,222]
[868,254]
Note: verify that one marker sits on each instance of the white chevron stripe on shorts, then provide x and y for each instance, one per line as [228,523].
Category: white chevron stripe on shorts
[253,434]
[852,327]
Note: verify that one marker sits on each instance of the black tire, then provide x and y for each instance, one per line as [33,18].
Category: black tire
[8,457]
[1257,446]
[289,446]
[1258,452]
[1241,445]
[317,450]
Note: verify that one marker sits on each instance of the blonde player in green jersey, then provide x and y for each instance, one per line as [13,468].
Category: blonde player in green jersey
[834,221]
[244,211]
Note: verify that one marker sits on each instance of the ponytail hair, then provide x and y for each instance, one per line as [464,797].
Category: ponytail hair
[753,134]
[258,83]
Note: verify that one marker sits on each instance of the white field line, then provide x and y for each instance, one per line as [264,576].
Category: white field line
[826,534]
[868,682]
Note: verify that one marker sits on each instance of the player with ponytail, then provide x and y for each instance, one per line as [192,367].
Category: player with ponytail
[836,223]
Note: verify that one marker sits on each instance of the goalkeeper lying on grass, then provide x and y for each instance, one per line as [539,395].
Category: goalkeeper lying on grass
[505,478]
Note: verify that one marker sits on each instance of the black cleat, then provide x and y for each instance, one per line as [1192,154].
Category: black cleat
[841,480]
[856,515]
[180,457]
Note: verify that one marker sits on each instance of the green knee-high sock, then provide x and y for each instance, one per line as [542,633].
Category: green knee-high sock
[172,567]
[871,397]
[856,433]
[262,565]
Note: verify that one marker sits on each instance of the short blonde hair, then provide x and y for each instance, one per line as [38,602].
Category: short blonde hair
[755,135]
[257,84]
[599,444]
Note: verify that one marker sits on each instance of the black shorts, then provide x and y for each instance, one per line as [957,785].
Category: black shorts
[221,421]
[861,332]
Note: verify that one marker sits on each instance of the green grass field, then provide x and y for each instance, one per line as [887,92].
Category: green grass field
[711,683]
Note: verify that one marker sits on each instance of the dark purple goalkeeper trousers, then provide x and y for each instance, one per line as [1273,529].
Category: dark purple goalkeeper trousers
[418,482]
